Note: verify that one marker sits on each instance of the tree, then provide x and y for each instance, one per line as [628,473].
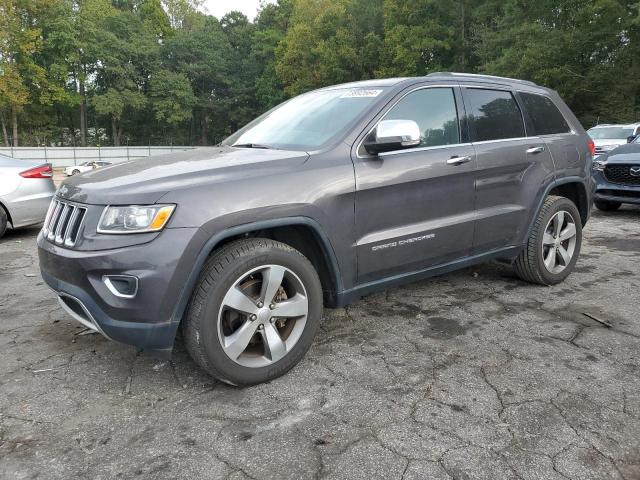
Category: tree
[200,50]
[171,96]
[127,58]
[323,45]
[21,79]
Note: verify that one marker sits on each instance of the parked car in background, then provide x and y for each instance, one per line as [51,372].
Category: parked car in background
[84,167]
[330,196]
[617,175]
[608,137]
[26,189]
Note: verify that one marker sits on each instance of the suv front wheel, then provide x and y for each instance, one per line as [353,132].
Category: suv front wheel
[254,312]
[553,247]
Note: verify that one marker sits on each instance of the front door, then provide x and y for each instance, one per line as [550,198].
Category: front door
[415,207]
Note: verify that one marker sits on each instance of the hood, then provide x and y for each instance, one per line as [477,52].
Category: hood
[146,180]
[604,145]
[626,154]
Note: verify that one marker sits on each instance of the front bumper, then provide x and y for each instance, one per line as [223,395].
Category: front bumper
[607,191]
[147,320]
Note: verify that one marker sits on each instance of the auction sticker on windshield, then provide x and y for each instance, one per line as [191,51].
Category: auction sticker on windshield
[361,93]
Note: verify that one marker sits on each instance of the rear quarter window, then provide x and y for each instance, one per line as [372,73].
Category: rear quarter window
[495,115]
[545,116]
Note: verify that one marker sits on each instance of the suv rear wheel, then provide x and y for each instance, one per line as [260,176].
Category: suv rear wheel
[254,313]
[552,250]
[607,206]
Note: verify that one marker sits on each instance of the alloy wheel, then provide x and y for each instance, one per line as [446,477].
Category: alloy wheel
[559,242]
[262,316]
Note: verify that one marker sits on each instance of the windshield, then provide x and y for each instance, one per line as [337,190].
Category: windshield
[616,133]
[307,122]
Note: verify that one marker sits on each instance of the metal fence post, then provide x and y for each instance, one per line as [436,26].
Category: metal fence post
[75,162]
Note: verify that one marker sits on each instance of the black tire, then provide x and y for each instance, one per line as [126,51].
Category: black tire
[3,221]
[607,206]
[224,267]
[75,172]
[529,265]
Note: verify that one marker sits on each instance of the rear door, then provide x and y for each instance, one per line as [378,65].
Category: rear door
[510,167]
[544,120]
[415,207]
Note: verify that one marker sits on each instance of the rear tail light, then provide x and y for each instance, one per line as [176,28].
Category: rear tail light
[592,147]
[43,171]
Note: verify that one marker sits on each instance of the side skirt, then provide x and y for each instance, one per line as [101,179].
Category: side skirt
[349,296]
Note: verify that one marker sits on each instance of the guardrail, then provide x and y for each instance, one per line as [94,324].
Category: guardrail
[68,156]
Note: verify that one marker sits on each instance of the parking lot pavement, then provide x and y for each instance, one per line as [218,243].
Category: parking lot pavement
[469,375]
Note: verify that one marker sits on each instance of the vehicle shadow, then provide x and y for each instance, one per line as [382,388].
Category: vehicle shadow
[20,234]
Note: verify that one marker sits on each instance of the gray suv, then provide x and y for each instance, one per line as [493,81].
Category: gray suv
[330,196]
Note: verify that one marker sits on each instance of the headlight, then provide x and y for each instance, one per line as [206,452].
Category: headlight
[598,165]
[134,218]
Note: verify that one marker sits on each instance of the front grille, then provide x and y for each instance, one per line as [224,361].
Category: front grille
[62,223]
[622,174]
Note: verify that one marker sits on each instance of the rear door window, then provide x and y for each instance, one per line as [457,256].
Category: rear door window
[495,115]
[544,115]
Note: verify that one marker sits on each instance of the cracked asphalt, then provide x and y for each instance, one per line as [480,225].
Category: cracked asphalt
[471,375]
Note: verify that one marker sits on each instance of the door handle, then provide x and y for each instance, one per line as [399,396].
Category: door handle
[458,160]
[535,150]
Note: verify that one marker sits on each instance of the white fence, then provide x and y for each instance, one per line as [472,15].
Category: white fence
[68,156]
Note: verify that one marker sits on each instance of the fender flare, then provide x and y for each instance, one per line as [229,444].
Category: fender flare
[210,245]
[556,183]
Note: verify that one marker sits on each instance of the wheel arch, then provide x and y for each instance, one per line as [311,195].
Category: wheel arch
[573,188]
[6,210]
[576,191]
[302,233]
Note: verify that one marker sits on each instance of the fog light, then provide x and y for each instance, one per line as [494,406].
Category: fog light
[124,286]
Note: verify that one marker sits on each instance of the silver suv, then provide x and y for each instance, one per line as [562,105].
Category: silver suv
[609,137]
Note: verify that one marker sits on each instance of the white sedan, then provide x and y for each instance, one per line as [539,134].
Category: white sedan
[84,167]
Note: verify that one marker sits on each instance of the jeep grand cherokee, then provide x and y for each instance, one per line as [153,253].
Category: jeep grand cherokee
[332,195]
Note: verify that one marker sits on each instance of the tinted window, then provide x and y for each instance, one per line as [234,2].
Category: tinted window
[434,110]
[496,115]
[544,115]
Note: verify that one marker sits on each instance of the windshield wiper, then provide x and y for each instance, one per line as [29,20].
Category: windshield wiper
[251,145]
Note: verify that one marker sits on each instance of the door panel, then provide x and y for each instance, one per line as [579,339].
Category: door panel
[510,167]
[415,207]
[507,184]
[413,210]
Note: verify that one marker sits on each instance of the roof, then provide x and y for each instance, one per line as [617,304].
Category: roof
[444,76]
[475,76]
[381,82]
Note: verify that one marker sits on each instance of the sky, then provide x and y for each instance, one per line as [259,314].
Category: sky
[218,8]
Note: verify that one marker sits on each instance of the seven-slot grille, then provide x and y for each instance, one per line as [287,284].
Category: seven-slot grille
[63,223]
[622,174]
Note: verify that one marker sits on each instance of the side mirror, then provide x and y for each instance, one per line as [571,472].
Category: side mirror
[631,138]
[392,135]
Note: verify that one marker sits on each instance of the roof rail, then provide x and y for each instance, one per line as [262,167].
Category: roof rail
[479,76]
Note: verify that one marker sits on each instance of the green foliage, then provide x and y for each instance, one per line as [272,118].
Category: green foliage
[171,96]
[142,71]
